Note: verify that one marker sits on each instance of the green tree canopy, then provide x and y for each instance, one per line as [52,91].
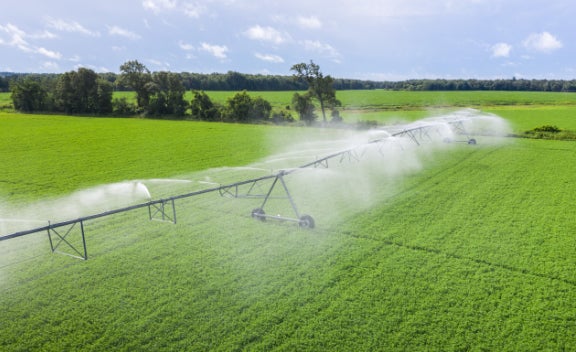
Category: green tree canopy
[137,77]
[28,95]
[82,91]
[319,86]
[202,107]
[238,107]
[166,94]
[302,104]
[243,108]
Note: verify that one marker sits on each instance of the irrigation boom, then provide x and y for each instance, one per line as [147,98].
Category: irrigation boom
[165,209]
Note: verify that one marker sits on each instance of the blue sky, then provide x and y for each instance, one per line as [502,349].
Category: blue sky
[364,39]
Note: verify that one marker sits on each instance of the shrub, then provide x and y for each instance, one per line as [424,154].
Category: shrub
[547,128]
[122,107]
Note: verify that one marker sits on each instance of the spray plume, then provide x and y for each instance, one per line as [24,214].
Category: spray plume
[78,204]
[377,159]
[372,164]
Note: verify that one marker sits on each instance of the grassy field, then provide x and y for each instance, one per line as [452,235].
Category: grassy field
[5,101]
[453,248]
[57,154]
[524,109]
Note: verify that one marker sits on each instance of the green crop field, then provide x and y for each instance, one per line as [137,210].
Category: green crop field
[447,248]
[525,110]
[5,101]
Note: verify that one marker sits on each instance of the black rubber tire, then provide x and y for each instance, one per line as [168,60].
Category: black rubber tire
[306,222]
[472,141]
[258,214]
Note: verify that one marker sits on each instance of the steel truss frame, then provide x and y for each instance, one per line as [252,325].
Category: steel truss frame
[165,209]
[58,238]
[159,211]
[304,221]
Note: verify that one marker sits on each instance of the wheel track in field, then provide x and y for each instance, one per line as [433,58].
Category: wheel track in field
[443,173]
[439,252]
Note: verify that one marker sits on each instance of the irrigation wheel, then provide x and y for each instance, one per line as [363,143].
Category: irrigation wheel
[259,213]
[472,141]
[306,222]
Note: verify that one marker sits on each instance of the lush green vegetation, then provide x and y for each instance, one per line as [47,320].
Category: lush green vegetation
[474,251]
[58,154]
[236,81]
[525,109]
[385,100]
[6,101]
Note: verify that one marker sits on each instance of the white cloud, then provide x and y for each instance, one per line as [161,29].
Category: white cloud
[321,48]
[270,58]
[501,50]
[157,6]
[185,46]
[543,42]
[267,34]
[218,51]
[118,31]
[70,26]
[49,53]
[50,66]
[16,37]
[194,10]
[188,8]
[311,22]
[163,66]
[43,35]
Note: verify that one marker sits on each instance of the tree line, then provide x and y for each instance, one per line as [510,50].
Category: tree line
[161,94]
[513,84]
[235,81]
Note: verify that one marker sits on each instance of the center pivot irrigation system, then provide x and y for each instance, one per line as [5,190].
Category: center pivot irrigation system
[60,233]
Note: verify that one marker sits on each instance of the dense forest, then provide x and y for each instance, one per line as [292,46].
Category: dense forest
[235,81]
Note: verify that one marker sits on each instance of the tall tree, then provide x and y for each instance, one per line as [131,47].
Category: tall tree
[166,94]
[28,95]
[136,76]
[319,86]
[82,91]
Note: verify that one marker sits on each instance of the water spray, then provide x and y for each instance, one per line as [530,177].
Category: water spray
[389,144]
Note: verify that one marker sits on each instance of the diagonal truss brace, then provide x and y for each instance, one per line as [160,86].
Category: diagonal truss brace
[238,190]
[160,211]
[58,239]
